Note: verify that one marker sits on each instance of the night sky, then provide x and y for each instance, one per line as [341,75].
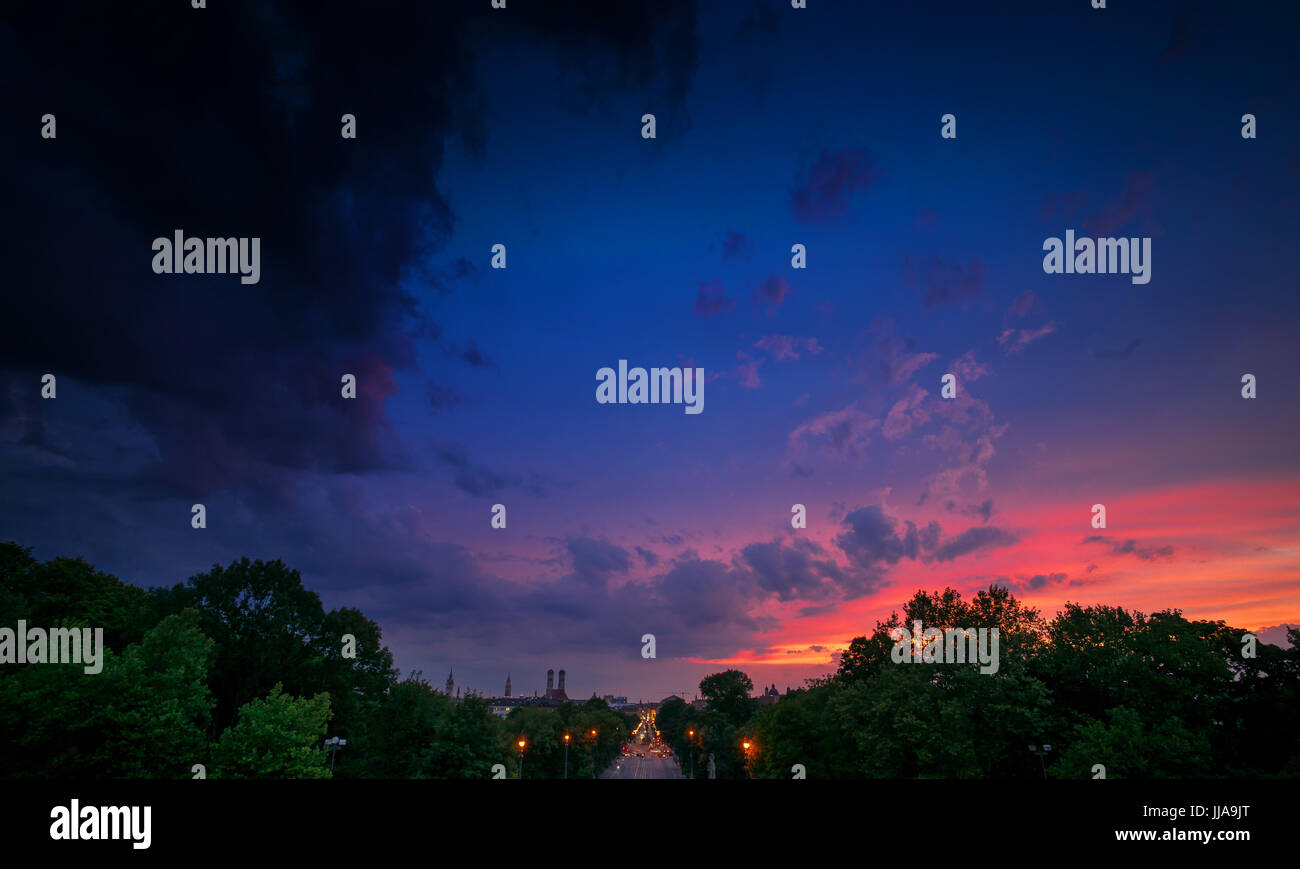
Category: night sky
[476,386]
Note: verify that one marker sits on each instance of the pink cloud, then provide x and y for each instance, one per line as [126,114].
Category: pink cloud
[1023,302]
[747,371]
[1015,340]
[842,434]
[967,368]
[906,412]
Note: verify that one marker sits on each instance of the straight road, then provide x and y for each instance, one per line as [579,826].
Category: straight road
[650,766]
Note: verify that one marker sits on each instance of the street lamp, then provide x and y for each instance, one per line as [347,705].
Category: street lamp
[522,745]
[593,752]
[333,744]
[1041,751]
[747,745]
[690,740]
[566,755]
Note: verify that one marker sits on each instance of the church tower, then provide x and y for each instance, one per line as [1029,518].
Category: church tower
[451,684]
[507,684]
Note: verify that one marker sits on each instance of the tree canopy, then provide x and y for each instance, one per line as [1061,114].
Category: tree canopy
[242,670]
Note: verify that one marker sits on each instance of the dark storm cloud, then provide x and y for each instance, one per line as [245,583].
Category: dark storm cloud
[642,45]
[226,123]
[229,377]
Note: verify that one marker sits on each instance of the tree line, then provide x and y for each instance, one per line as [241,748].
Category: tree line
[241,671]
[1114,693]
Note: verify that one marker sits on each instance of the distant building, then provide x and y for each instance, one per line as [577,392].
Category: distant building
[770,695]
[555,693]
[551,699]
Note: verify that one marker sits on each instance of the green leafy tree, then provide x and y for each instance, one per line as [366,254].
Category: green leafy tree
[466,743]
[397,732]
[277,737]
[357,686]
[794,731]
[1128,747]
[729,695]
[267,627]
[144,715]
[71,591]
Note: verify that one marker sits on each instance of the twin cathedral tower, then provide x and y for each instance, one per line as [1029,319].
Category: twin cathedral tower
[553,691]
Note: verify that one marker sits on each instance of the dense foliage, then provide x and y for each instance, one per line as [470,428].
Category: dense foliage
[1145,696]
[241,670]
